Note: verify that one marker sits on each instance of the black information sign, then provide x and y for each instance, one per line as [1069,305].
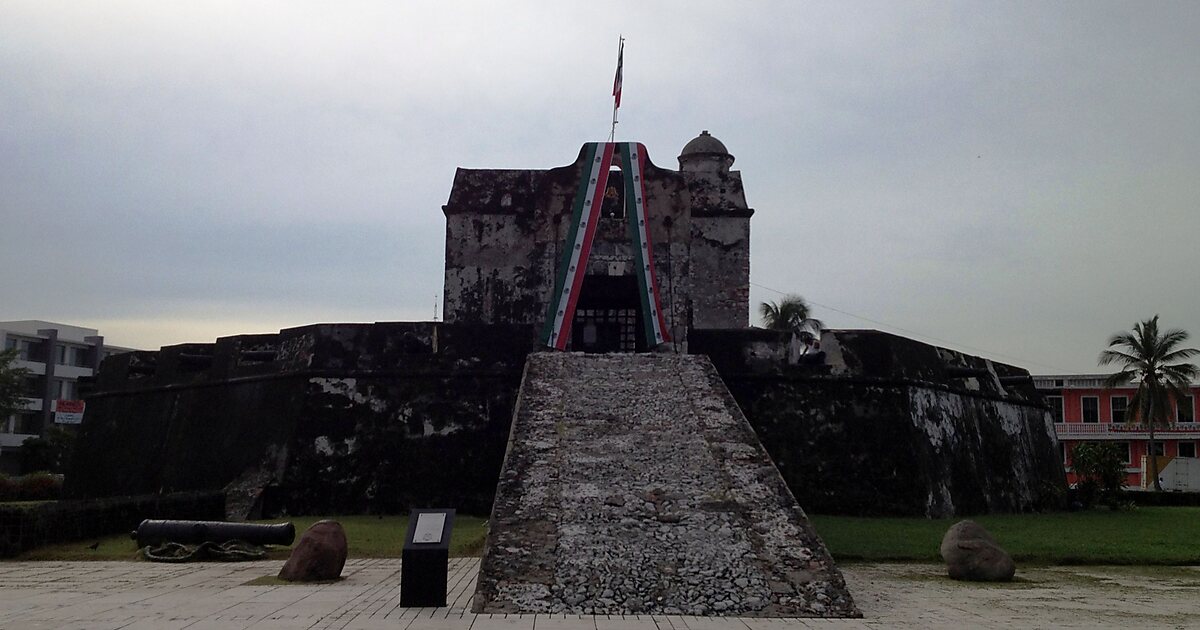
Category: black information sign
[426,558]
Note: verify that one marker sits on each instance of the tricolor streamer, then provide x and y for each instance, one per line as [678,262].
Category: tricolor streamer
[585,214]
[654,326]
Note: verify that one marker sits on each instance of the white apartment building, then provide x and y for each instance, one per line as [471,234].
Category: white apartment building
[57,356]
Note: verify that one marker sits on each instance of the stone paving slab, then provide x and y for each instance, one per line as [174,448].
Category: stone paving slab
[136,595]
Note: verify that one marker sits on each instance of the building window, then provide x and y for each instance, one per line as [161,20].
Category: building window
[66,390]
[22,347]
[1056,407]
[1127,455]
[1119,405]
[1091,409]
[1160,448]
[62,355]
[28,424]
[1187,449]
[1186,409]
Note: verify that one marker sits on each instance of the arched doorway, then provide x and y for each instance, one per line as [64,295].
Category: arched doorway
[608,317]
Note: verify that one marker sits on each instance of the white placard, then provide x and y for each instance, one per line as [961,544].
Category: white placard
[68,411]
[429,528]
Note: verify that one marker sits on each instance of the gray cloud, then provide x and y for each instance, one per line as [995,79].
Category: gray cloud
[1014,177]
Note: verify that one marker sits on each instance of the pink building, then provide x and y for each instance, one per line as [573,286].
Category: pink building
[1085,411]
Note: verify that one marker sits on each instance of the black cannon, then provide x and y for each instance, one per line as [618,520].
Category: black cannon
[154,532]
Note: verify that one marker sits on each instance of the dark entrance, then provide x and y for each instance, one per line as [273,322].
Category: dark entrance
[608,316]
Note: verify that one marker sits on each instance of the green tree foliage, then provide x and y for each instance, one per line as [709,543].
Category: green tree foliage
[1156,362]
[50,453]
[789,313]
[12,384]
[1100,467]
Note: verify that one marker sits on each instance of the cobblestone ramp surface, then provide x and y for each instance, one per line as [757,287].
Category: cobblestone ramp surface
[633,484]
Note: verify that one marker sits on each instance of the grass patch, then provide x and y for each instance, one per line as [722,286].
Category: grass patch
[24,505]
[383,536]
[369,537]
[116,547]
[1145,536]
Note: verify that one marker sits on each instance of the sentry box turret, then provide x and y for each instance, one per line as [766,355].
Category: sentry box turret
[426,558]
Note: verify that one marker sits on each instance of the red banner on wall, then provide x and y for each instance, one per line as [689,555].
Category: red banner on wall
[68,411]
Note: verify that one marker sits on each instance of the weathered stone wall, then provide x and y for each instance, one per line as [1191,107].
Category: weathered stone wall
[499,255]
[346,417]
[720,280]
[888,425]
[377,417]
[505,231]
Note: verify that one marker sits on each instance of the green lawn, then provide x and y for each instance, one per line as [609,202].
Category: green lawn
[25,505]
[1145,535]
[368,536]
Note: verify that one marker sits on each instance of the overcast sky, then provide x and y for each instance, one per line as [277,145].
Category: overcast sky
[1017,180]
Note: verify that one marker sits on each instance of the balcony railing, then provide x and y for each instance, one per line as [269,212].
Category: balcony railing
[1119,430]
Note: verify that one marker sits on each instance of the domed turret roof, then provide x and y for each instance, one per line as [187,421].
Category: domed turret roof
[704,144]
[705,154]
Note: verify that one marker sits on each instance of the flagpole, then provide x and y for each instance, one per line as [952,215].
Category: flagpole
[612,133]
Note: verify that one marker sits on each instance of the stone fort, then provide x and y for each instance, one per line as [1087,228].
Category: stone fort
[505,232]
[381,417]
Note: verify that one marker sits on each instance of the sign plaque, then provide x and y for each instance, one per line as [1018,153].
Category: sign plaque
[68,411]
[429,528]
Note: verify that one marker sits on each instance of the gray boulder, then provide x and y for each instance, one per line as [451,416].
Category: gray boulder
[971,553]
[319,556]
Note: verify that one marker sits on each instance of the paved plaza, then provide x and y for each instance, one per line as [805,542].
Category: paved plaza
[135,595]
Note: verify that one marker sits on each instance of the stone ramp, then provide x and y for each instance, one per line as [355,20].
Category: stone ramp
[633,484]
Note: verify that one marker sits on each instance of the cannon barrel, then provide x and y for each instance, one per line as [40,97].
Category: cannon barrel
[153,532]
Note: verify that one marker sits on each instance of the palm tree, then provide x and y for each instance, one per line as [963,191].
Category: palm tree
[1154,361]
[789,313]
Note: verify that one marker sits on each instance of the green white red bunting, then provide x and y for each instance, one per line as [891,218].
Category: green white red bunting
[585,214]
[633,156]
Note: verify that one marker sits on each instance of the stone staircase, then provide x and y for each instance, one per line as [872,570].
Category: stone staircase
[634,485]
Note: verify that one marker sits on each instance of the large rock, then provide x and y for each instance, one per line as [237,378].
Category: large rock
[971,553]
[320,554]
